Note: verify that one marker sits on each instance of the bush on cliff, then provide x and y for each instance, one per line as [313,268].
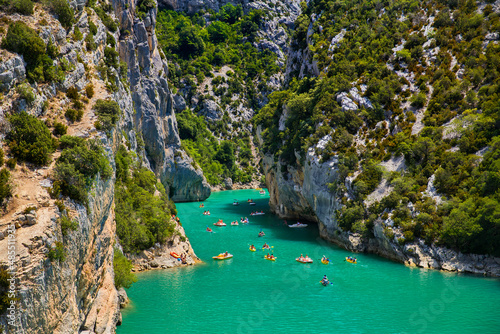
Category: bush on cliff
[30,139]
[142,207]
[122,268]
[79,163]
[4,290]
[108,112]
[5,186]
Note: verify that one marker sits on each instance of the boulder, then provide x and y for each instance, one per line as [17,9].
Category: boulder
[211,110]
[179,102]
[228,183]
[30,219]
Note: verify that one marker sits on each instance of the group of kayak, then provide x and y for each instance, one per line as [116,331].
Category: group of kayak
[220,222]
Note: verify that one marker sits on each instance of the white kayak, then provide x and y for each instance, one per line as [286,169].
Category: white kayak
[298,225]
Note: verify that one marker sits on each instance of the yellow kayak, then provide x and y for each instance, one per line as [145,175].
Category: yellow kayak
[351,260]
[252,249]
[222,257]
[325,261]
[270,258]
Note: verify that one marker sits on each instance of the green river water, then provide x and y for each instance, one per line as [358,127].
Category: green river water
[248,294]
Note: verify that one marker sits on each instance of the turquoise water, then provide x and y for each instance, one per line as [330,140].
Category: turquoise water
[248,294]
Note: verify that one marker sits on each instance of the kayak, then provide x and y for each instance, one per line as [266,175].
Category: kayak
[236,203]
[251,203]
[222,257]
[234,223]
[252,249]
[350,260]
[270,258]
[257,214]
[261,234]
[308,260]
[298,225]
[325,283]
[209,229]
[244,221]
[262,192]
[268,247]
[174,254]
[220,224]
[325,261]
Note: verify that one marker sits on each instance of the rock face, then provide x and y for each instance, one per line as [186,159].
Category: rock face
[152,107]
[78,295]
[302,193]
[12,71]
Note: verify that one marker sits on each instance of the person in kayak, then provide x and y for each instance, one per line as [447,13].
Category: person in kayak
[252,247]
[265,245]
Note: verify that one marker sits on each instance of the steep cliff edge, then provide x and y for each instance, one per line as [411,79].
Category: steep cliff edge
[151,107]
[64,275]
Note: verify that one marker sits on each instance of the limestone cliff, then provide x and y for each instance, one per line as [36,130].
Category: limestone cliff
[77,294]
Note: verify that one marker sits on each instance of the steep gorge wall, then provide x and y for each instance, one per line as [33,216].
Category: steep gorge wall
[302,193]
[78,294]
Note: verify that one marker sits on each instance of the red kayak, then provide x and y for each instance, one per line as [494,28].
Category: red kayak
[174,254]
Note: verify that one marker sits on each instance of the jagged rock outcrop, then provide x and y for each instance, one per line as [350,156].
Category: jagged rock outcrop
[152,107]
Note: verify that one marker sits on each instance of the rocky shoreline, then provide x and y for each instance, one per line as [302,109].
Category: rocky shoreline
[158,256]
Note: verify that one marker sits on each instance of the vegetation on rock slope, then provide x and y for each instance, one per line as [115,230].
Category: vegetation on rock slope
[196,53]
[438,59]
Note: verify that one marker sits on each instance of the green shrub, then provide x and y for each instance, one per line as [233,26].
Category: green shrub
[79,163]
[5,300]
[60,129]
[24,7]
[106,19]
[2,156]
[5,186]
[92,27]
[11,163]
[72,93]
[52,50]
[23,40]
[58,253]
[74,115]
[70,142]
[89,42]
[89,90]
[77,34]
[111,57]
[60,205]
[110,40]
[108,112]
[63,11]
[30,139]
[26,92]
[67,224]
[122,268]
[418,101]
